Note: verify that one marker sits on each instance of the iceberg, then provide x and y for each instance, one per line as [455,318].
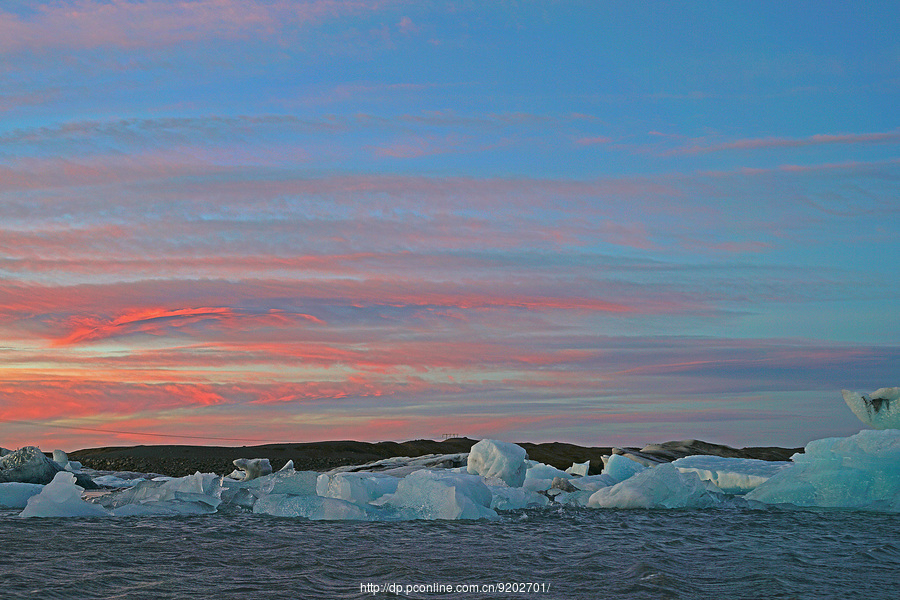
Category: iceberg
[579,469]
[287,481]
[440,495]
[60,458]
[358,487]
[880,409]
[507,498]
[498,460]
[16,495]
[400,466]
[860,472]
[592,483]
[199,493]
[314,496]
[539,477]
[298,483]
[62,498]
[620,467]
[663,486]
[28,465]
[314,508]
[731,475]
[115,481]
[538,470]
[250,468]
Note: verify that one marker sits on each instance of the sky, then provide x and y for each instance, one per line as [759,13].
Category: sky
[236,222]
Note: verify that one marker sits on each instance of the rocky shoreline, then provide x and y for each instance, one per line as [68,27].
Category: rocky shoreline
[178,460]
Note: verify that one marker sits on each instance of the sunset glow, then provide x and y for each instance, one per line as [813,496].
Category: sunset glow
[235,222]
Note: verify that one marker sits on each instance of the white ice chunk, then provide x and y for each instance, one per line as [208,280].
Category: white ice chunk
[731,475]
[579,469]
[315,508]
[592,483]
[538,470]
[27,465]
[285,481]
[194,494]
[401,466]
[288,466]
[660,487]
[440,495]
[619,467]
[507,498]
[359,487]
[577,498]
[501,460]
[251,468]
[298,483]
[60,458]
[62,498]
[16,495]
[539,477]
[880,409]
[861,471]
[113,481]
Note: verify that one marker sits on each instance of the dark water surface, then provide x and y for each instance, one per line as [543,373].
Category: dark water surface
[570,554]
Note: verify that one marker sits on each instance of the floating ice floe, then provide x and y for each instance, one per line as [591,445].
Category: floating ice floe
[507,498]
[731,475]
[60,458]
[314,508]
[539,477]
[16,495]
[112,480]
[861,472]
[28,465]
[880,409]
[400,466]
[620,467]
[498,460]
[250,468]
[579,469]
[659,487]
[200,493]
[440,495]
[287,481]
[290,493]
[62,498]
[358,488]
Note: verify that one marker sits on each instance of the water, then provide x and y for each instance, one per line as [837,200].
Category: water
[723,553]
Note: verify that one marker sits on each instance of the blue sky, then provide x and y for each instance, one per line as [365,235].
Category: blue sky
[605,223]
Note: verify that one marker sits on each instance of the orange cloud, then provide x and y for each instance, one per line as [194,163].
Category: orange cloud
[161,321]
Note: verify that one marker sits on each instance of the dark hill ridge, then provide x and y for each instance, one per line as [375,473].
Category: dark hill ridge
[322,456]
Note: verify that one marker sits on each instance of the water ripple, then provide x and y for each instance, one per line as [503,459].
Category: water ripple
[732,552]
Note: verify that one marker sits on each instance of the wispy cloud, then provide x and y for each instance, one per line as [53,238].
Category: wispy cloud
[162,321]
[328,218]
[134,24]
[699,147]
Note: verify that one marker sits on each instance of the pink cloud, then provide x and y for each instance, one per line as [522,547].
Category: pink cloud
[132,24]
[162,321]
[593,141]
[888,137]
[406,26]
[420,146]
